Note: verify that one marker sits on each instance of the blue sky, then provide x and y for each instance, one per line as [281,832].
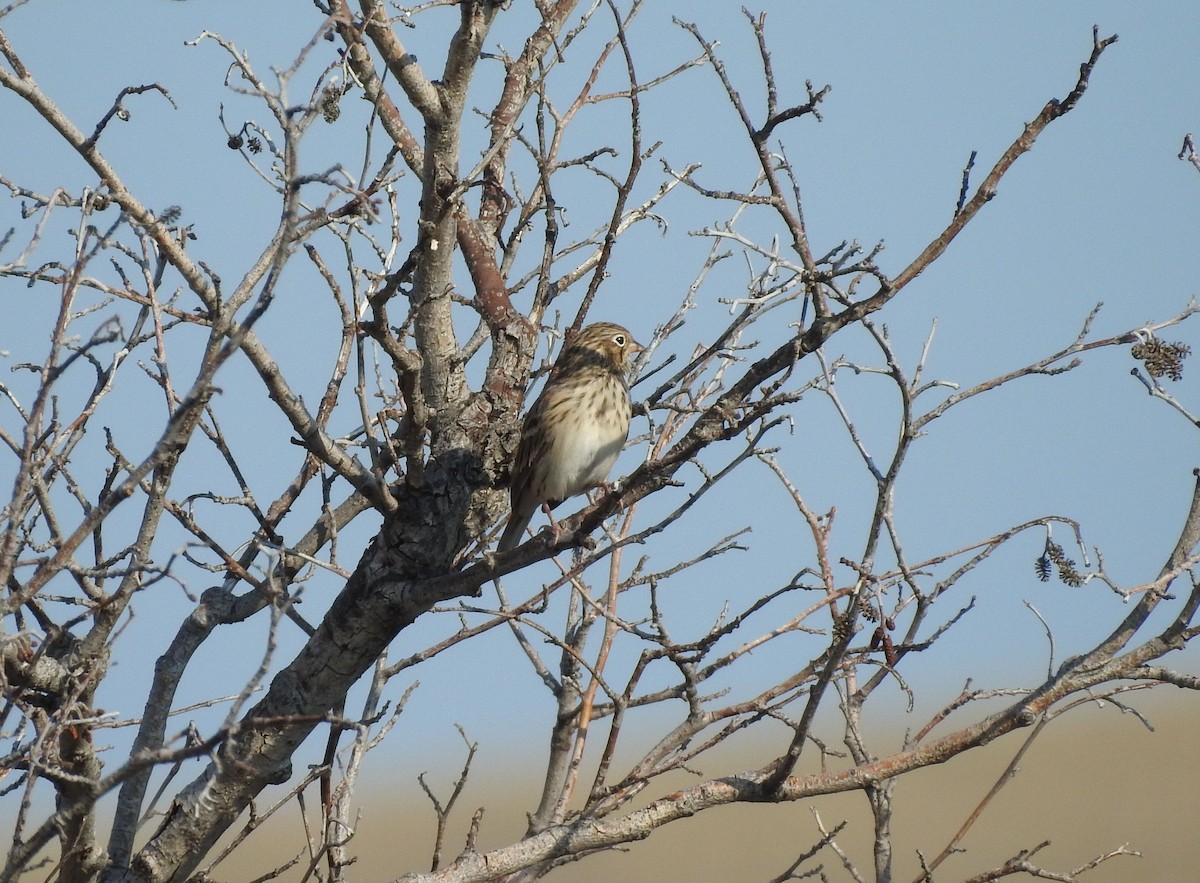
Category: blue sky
[1101,210]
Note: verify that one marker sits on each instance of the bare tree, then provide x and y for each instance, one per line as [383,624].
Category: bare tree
[446,263]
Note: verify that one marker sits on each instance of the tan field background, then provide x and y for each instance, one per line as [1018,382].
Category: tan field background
[1094,781]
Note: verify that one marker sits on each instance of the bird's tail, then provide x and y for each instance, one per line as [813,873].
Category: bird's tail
[514,531]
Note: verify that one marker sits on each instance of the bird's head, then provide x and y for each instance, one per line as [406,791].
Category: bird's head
[610,342]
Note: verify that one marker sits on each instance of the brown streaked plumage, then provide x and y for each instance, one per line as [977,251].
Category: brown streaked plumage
[574,431]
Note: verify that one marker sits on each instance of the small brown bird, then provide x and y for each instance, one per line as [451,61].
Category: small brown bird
[575,430]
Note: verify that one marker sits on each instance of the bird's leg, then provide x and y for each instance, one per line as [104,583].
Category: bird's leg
[554,532]
[601,490]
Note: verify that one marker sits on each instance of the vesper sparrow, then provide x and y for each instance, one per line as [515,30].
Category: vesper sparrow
[575,430]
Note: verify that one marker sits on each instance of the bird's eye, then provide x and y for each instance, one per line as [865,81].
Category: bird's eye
[619,339]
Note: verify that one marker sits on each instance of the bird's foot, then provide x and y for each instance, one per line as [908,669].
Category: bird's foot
[553,534]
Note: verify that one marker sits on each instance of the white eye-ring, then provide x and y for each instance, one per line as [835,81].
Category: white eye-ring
[619,339]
